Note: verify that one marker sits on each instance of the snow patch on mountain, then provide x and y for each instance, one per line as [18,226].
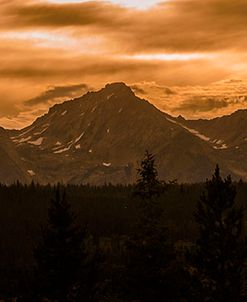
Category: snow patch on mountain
[37,142]
[79,138]
[219,141]
[23,140]
[62,150]
[41,132]
[106,164]
[109,96]
[31,172]
[94,108]
[192,131]
[220,145]
[198,134]
[26,132]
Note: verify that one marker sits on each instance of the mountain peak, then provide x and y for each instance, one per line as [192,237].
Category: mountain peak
[99,138]
[118,87]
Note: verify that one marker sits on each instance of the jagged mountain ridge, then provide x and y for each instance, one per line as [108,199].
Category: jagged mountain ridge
[101,136]
[229,130]
[228,134]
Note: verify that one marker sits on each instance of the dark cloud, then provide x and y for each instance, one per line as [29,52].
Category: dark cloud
[58,92]
[169,91]
[199,104]
[176,26]
[69,14]
[230,81]
[101,69]
[192,25]
[26,72]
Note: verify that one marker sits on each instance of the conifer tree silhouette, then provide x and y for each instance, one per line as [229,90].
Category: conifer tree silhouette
[148,185]
[220,251]
[150,252]
[61,254]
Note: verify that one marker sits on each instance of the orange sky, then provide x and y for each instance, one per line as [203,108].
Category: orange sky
[187,56]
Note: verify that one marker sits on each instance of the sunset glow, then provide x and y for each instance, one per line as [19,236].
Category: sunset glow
[142,4]
[169,57]
[156,46]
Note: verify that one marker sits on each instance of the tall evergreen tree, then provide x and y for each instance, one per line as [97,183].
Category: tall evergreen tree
[220,251]
[148,186]
[150,253]
[61,255]
[148,189]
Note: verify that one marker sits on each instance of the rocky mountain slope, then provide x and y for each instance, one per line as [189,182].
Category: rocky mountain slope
[228,135]
[226,132]
[12,167]
[101,136]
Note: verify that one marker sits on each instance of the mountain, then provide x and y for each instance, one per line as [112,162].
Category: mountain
[12,167]
[228,131]
[100,137]
[228,135]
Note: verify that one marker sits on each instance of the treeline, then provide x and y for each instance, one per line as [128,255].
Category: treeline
[153,241]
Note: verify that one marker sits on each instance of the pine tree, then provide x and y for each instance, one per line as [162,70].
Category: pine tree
[220,251]
[148,189]
[148,185]
[61,255]
[150,253]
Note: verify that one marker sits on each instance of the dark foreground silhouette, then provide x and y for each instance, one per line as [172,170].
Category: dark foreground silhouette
[153,241]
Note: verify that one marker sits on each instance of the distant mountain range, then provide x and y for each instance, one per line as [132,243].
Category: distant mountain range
[100,138]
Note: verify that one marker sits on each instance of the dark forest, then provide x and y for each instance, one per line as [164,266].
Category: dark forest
[152,241]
